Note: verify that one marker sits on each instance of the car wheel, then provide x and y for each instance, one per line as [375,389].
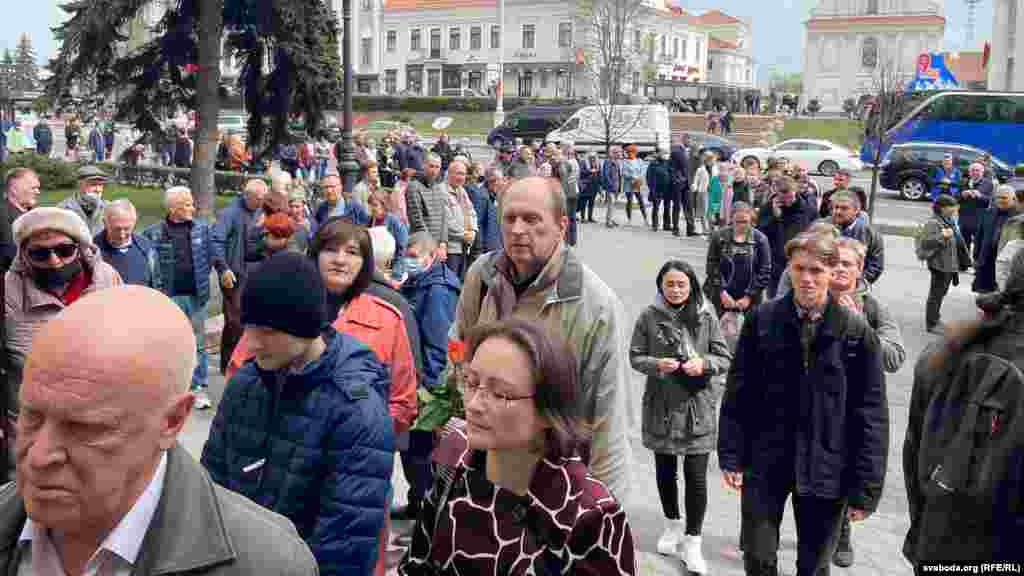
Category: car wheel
[751,160]
[913,189]
[828,168]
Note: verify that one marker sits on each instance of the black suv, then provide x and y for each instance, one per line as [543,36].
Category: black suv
[530,123]
[909,167]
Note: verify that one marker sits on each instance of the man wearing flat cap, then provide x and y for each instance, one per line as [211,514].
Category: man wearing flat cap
[88,201]
[56,264]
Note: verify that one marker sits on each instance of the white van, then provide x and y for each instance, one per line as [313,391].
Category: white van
[646,125]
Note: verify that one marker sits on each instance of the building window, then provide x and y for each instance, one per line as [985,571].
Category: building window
[363,86]
[529,37]
[495,36]
[637,39]
[711,64]
[414,39]
[872,6]
[390,81]
[435,43]
[366,51]
[564,34]
[391,40]
[636,82]
[475,38]
[543,80]
[476,80]
[434,82]
[564,87]
[451,80]
[414,80]
[526,85]
[748,75]
[366,4]
[684,48]
[869,53]
[664,46]
[454,37]
[697,50]
[675,48]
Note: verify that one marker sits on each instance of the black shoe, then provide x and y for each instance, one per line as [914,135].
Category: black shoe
[936,329]
[676,233]
[654,228]
[407,512]
[843,556]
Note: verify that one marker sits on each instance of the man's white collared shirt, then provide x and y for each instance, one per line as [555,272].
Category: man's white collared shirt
[116,555]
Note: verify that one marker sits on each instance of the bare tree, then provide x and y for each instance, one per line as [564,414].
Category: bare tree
[614,45]
[886,110]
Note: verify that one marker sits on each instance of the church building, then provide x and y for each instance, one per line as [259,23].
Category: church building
[847,43]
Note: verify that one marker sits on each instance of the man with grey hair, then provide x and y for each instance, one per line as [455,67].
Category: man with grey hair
[184,252]
[462,225]
[120,494]
[88,201]
[426,201]
[130,254]
[539,277]
[228,252]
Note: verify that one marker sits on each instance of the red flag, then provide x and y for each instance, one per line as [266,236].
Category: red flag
[986,54]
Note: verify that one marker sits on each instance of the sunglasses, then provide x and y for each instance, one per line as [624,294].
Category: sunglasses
[43,253]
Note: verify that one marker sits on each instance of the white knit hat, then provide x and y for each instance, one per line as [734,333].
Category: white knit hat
[57,219]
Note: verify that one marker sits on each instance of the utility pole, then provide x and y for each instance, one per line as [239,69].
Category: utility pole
[499,108]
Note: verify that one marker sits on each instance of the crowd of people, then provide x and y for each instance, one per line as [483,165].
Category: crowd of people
[337,314]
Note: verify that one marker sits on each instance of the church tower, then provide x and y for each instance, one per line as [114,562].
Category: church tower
[847,43]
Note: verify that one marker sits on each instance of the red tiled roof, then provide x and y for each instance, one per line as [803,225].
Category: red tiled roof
[715,18]
[409,5]
[719,44]
[843,21]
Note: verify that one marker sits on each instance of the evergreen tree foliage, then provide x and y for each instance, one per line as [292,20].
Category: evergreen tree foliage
[26,70]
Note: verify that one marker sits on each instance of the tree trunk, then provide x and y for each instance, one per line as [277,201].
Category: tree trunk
[211,24]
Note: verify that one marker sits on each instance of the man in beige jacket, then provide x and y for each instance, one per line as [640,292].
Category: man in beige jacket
[537,276]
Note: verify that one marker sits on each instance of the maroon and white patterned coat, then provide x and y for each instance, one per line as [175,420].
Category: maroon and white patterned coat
[568,523]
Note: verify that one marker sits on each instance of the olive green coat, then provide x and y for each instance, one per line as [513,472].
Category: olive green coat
[680,413]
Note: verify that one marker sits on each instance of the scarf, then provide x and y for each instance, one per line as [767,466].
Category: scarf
[810,318]
[508,287]
[954,225]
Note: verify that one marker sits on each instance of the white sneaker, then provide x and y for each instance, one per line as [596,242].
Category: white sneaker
[668,544]
[692,556]
[201,401]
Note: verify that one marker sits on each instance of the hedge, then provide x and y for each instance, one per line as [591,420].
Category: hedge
[53,174]
[443,104]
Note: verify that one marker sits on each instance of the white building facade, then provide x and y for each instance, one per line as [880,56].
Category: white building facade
[1007,21]
[445,47]
[730,51]
[847,42]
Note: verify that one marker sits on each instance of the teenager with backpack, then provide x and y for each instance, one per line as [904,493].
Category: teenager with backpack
[942,246]
[963,456]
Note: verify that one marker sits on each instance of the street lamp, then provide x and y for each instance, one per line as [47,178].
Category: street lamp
[499,108]
[348,167]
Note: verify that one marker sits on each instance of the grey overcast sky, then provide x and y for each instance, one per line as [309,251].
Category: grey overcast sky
[778,25]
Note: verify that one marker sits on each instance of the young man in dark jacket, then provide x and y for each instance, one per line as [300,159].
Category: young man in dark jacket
[815,368]
[680,184]
[659,185]
[781,219]
[303,428]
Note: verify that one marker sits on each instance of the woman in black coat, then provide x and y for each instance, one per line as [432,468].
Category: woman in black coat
[590,186]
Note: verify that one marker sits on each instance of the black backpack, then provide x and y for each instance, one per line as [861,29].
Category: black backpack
[971,453]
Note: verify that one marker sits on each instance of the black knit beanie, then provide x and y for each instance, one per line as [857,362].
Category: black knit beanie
[286,293]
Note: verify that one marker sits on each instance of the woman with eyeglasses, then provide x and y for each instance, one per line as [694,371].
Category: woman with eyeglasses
[678,345]
[511,494]
[56,264]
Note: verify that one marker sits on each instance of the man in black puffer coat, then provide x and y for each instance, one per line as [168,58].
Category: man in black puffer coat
[781,219]
[804,414]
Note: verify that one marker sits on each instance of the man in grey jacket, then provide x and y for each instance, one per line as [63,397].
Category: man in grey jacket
[229,245]
[426,202]
[88,201]
[139,503]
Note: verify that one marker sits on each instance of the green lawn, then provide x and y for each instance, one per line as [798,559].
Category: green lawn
[464,123]
[842,131]
[148,201]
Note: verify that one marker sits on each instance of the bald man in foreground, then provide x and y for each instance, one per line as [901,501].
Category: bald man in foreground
[102,484]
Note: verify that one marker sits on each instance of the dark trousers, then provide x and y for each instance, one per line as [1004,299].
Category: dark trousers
[629,204]
[695,475]
[456,263]
[571,233]
[970,236]
[773,284]
[936,293]
[586,208]
[817,526]
[416,465]
[232,331]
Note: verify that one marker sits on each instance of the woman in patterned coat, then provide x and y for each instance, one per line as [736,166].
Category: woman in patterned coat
[510,495]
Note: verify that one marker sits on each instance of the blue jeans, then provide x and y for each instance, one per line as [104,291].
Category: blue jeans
[196,312]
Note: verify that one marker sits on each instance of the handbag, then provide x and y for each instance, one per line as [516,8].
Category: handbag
[731,323]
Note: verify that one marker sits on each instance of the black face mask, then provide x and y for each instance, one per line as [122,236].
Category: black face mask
[48,278]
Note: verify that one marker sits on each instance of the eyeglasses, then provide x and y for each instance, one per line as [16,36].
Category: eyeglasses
[63,251]
[471,389]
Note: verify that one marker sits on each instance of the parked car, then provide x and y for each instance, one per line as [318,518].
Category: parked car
[723,147]
[645,125]
[910,166]
[819,156]
[530,123]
